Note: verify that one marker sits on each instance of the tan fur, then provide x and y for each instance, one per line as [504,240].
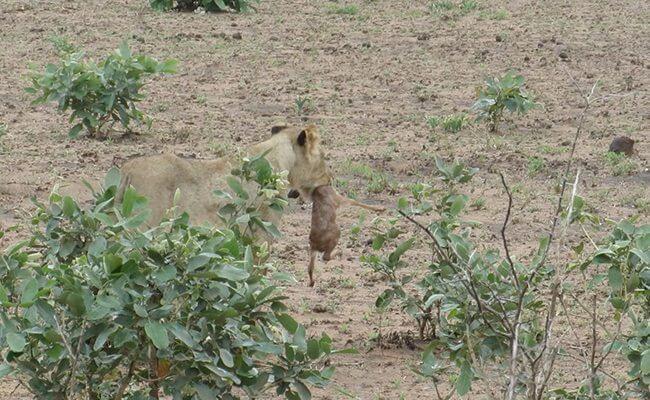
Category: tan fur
[325,232]
[157,177]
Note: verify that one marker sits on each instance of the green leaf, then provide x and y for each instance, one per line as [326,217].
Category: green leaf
[124,50]
[112,178]
[234,184]
[75,302]
[183,335]
[4,296]
[395,256]
[313,349]
[615,278]
[29,292]
[303,390]
[158,334]
[102,337]
[226,358]
[204,392]
[167,66]
[69,206]
[231,273]
[5,370]
[97,247]
[384,299]
[73,133]
[645,362]
[112,263]
[464,382]
[16,342]
[128,201]
[288,322]
[46,312]
[140,310]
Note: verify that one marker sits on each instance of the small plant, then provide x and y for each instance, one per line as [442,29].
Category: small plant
[546,149]
[500,94]
[207,5]
[349,9]
[442,5]
[219,148]
[451,123]
[454,123]
[468,5]
[454,173]
[478,204]
[619,164]
[433,121]
[377,181]
[99,94]
[449,10]
[355,229]
[303,105]
[535,165]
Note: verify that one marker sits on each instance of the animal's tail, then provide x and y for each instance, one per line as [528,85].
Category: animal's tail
[351,202]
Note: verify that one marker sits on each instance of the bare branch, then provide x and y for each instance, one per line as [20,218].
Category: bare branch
[503,231]
[434,243]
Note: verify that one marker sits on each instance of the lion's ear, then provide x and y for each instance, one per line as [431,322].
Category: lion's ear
[277,129]
[302,137]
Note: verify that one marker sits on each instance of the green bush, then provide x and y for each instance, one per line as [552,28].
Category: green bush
[93,307]
[500,94]
[207,5]
[477,307]
[99,94]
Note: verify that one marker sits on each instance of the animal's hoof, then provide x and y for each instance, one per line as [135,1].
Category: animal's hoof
[311,283]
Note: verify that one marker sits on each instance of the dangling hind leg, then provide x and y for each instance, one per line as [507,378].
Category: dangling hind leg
[312,261]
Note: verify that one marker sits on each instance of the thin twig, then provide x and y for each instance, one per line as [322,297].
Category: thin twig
[125,382]
[592,360]
[434,242]
[75,361]
[503,230]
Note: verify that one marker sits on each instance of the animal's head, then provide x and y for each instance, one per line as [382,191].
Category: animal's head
[308,169]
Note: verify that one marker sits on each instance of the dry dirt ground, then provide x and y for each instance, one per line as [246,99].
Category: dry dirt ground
[371,73]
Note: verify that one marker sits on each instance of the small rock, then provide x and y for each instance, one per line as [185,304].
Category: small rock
[622,144]
[424,36]
[564,56]
[236,35]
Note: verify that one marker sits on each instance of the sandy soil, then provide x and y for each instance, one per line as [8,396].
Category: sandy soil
[372,77]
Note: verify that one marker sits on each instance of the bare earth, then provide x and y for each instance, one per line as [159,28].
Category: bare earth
[373,77]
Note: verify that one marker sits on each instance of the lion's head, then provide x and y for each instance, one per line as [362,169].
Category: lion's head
[298,150]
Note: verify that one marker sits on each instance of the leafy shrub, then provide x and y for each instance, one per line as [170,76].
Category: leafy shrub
[207,5]
[93,306]
[500,94]
[418,299]
[98,94]
[482,311]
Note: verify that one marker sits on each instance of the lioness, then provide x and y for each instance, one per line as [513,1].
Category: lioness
[296,150]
